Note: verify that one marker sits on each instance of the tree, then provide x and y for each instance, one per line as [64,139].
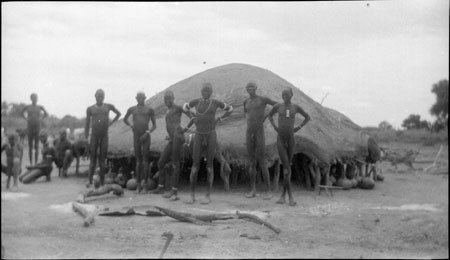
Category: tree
[385,125]
[440,108]
[414,122]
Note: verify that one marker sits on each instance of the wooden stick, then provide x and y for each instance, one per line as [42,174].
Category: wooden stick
[181,216]
[169,237]
[257,220]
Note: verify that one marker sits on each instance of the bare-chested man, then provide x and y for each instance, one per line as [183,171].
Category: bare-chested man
[44,167]
[142,115]
[285,140]
[33,125]
[64,153]
[254,108]
[14,151]
[99,115]
[174,148]
[205,138]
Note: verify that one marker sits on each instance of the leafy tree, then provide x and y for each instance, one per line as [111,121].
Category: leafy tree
[440,108]
[414,122]
[385,125]
[70,122]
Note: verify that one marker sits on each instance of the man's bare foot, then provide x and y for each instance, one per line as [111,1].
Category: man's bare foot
[144,190]
[251,194]
[292,203]
[281,201]
[174,198]
[80,198]
[168,194]
[206,201]
[267,195]
[158,190]
[191,201]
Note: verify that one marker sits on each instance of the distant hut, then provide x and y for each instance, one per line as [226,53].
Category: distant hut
[329,135]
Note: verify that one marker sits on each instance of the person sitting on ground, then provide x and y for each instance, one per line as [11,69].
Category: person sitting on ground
[14,152]
[64,153]
[44,167]
[285,139]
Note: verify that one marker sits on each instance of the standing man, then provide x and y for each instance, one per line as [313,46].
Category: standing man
[254,108]
[285,140]
[34,120]
[205,135]
[14,151]
[142,115]
[174,148]
[99,115]
[64,153]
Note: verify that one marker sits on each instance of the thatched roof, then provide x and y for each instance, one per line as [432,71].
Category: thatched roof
[328,136]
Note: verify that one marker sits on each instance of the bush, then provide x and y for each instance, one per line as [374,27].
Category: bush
[417,136]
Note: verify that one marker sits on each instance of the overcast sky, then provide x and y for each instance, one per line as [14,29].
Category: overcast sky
[377,60]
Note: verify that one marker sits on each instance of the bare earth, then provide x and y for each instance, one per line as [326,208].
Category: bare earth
[405,216]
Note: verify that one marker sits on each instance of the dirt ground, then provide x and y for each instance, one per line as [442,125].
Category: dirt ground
[405,216]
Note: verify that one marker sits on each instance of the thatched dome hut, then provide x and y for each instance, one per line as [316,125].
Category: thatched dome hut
[328,136]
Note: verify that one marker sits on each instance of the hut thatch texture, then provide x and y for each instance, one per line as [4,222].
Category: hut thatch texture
[329,135]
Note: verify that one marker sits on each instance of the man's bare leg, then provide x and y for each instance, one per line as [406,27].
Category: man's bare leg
[36,147]
[210,171]
[252,172]
[93,163]
[173,194]
[288,187]
[267,195]
[16,172]
[193,181]
[282,199]
[8,182]
[138,175]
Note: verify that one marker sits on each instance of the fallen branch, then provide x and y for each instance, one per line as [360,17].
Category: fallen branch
[127,211]
[257,220]
[115,188]
[85,213]
[196,219]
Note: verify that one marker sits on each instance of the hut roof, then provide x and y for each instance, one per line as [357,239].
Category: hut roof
[329,135]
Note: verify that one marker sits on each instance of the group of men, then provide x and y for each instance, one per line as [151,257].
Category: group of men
[204,141]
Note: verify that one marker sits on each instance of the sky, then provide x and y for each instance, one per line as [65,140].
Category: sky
[371,60]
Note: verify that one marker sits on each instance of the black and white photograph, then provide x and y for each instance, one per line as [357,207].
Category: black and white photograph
[224,130]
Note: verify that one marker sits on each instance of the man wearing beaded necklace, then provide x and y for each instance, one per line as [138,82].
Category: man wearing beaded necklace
[205,136]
